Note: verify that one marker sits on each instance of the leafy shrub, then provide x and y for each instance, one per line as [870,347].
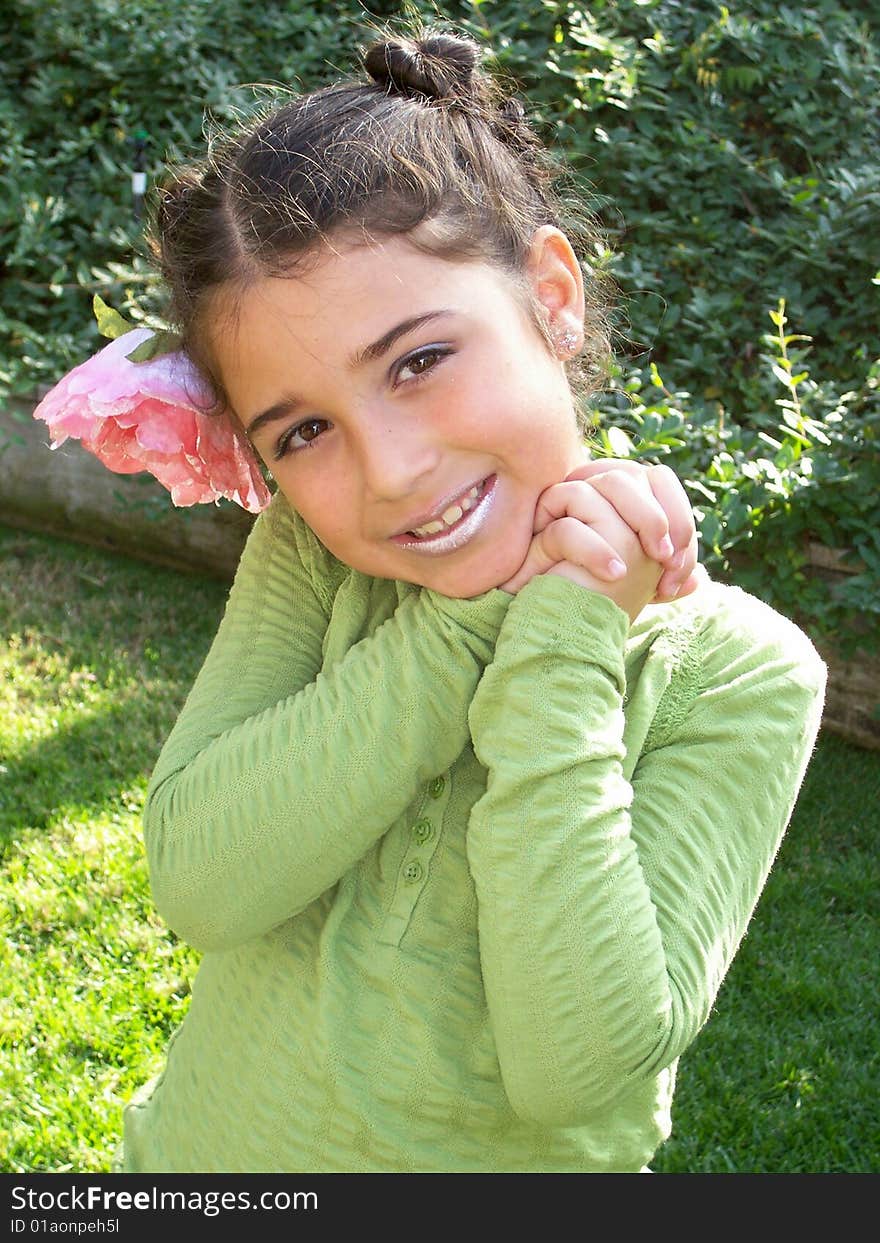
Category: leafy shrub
[734,158]
[82,81]
[730,153]
[809,473]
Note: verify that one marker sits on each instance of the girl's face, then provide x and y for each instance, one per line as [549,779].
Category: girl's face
[408,407]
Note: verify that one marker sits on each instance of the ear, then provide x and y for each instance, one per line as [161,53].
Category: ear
[557,284]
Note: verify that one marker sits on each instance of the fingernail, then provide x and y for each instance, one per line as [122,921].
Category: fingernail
[668,591]
[616,568]
[667,548]
[678,560]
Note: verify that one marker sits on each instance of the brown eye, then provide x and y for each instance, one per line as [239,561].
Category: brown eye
[311,430]
[423,362]
[300,437]
[420,362]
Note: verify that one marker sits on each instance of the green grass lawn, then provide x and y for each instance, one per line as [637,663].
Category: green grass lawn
[98,656]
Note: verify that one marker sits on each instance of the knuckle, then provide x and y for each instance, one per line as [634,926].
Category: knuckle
[567,527]
[567,536]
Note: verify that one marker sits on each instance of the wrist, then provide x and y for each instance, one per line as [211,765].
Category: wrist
[630,594]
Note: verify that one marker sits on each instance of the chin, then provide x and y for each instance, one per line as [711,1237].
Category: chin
[464,586]
[463,593]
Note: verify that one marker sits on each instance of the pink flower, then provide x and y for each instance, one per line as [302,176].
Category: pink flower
[151,416]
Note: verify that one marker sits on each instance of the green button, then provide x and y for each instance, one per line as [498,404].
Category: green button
[423,831]
[413,872]
[435,789]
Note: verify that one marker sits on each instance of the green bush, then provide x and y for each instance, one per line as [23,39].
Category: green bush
[734,156]
[82,81]
[808,473]
[729,152]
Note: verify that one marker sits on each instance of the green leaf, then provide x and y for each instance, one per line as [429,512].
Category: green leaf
[621,445]
[774,444]
[110,323]
[161,342]
[697,485]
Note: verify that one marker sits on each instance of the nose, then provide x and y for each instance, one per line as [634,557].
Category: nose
[398,451]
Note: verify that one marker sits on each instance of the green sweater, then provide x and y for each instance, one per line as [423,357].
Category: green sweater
[466,875]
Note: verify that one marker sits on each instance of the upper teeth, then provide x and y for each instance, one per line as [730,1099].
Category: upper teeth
[451,515]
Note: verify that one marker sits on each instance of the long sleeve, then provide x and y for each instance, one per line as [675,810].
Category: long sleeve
[283,767]
[610,909]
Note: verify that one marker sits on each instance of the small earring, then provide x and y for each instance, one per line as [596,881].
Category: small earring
[567,342]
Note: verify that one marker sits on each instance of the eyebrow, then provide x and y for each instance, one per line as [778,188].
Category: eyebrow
[287,405]
[384,344]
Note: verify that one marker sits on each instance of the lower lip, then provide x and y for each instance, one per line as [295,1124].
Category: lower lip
[461,533]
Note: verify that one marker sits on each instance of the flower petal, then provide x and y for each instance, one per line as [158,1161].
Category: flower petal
[154,416]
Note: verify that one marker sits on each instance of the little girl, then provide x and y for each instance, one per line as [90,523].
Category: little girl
[473,798]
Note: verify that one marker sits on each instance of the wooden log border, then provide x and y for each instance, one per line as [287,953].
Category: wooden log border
[67,492]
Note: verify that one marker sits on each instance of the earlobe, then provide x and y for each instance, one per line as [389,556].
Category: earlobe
[557,284]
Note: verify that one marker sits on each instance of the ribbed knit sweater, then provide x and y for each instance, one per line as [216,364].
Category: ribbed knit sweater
[466,875]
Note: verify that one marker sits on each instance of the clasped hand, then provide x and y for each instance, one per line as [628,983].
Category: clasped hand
[619,528]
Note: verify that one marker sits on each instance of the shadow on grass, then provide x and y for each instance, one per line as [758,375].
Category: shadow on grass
[101,652]
[84,767]
[104,608]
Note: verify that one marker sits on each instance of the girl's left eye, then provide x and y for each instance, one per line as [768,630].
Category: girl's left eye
[420,362]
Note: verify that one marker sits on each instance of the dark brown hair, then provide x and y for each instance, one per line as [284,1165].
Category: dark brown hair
[427,147]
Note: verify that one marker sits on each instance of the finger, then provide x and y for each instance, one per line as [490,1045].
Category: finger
[670,494]
[680,590]
[669,588]
[598,466]
[635,502]
[575,499]
[569,539]
[683,566]
[668,490]
[538,560]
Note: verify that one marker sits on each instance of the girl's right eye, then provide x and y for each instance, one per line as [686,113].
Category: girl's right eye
[302,436]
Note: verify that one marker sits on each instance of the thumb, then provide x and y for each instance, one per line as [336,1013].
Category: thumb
[538,560]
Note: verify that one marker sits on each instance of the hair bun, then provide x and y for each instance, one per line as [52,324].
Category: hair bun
[436,67]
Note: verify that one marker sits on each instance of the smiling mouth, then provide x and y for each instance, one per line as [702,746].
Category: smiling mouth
[456,525]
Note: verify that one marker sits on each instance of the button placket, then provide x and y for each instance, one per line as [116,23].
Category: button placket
[413,874]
